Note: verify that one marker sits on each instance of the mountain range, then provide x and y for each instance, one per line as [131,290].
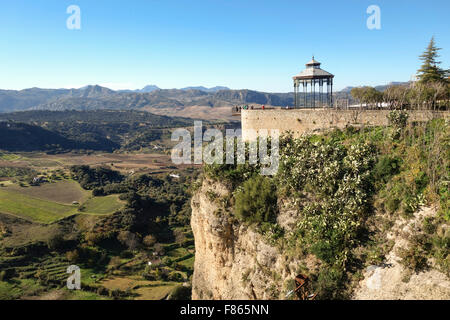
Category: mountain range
[150,88]
[380,87]
[96,97]
[186,102]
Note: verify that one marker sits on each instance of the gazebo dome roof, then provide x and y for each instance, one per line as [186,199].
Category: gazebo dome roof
[313,63]
[313,71]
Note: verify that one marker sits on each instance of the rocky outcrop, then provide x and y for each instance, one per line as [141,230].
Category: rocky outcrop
[232,260]
[391,281]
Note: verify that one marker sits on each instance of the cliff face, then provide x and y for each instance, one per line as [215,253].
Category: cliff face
[232,261]
[391,281]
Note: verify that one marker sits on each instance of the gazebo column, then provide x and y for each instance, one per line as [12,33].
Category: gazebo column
[314,94]
[295,93]
[305,91]
[328,92]
[321,92]
[331,105]
[306,95]
[301,100]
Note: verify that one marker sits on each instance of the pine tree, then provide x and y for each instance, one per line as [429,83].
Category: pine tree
[430,70]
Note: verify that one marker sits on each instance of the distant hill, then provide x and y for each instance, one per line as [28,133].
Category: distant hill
[28,137]
[12,100]
[90,92]
[104,130]
[148,88]
[384,87]
[213,89]
[379,88]
[97,117]
[151,88]
[149,98]
[96,97]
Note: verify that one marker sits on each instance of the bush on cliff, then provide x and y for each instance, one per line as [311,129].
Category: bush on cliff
[256,200]
[339,179]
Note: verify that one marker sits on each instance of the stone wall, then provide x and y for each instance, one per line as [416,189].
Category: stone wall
[301,121]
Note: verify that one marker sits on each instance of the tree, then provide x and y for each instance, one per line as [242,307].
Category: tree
[128,239]
[357,93]
[372,96]
[367,96]
[149,241]
[256,201]
[396,96]
[55,240]
[430,70]
[181,293]
[73,256]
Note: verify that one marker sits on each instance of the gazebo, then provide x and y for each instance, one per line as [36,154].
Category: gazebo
[313,75]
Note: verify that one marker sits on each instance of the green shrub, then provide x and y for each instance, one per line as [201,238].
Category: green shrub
[340,179]
[398,118]
[175,276]
[441,253]
[385,168]
[98,192]
[272,231]
[126,254]
[429,225]
[414,258]
[330,284]
[256,200]
[415,255]
[73,256]
[166,261]
[234,174]
[181,293]
[56,240]
[392,204]
[444,199]
[421,181]
[149,240]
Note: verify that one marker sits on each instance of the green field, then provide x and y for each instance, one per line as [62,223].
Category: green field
[155,292]
[37,209]
[34,209]
[83,295]
[102,205]
[189,263]
[9,156]
[145,290]
[64,192]
[8,291]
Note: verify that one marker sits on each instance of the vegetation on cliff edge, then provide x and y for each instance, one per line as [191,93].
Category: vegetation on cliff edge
[337,182]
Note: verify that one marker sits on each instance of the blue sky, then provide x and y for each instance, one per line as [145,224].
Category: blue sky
[240,44]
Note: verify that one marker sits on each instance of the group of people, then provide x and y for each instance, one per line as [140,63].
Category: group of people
[245,107]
